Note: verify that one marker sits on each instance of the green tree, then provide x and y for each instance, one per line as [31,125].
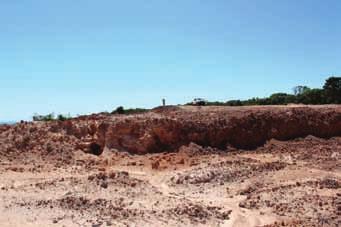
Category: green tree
[281,99]
[234,103]
[119,110]
[312,96]
[48,117]
[332,89]
[62,117]
[298,90]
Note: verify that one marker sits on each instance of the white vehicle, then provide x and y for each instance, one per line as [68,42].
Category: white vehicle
[199,102]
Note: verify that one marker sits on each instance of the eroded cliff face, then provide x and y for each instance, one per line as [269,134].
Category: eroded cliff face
[219,128]
[169,129]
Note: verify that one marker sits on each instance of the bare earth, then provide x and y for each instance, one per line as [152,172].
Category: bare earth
[175,166]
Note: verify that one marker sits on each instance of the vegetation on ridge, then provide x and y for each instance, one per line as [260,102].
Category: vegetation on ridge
[329,94]
[51,117]
[121,110]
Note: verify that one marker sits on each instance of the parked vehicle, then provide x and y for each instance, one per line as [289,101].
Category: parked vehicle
[199,102]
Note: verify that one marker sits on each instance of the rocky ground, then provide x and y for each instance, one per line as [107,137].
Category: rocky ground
[175,166]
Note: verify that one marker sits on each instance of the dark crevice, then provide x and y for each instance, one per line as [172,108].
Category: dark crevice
[95,149]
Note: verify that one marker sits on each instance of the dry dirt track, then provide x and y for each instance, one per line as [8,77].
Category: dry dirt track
[46,179]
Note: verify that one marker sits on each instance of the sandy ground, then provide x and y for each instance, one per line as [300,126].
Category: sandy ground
[281,183]
[286,183]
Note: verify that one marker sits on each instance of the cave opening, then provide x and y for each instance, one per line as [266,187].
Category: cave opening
[95,149]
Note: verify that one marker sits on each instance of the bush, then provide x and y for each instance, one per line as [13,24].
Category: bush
[312,96]
[234,103]
[135,111]
[121,110]
[48,117]
[51,117]
[62,117]
[281,98]
[332,89]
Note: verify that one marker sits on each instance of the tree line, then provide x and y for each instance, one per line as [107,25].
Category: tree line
[329,94]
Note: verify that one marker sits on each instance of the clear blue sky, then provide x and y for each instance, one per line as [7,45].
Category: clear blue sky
[84,56]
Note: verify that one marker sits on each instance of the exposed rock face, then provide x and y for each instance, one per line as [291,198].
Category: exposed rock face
[240,128]
[80,129]
[170,128]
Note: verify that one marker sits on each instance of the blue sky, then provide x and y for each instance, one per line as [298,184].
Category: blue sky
[86,56]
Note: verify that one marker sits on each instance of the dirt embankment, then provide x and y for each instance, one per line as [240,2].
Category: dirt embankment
[167,129]
[242,128]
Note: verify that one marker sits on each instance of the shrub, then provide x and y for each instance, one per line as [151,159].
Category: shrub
[121,110]
[62,117]
[51,117]
[48,117]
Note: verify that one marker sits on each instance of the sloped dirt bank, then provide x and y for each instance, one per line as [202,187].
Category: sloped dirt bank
[242,128]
